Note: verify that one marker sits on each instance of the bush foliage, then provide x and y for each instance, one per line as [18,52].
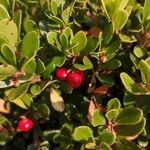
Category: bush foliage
[108,40]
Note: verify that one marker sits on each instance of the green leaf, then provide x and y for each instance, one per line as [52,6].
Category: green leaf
[4,121]
[133,130]
[30,25]
[112,114]
[134,60]
[106,80]
[146,12]
[9,31]
[127,39]
[119,19]
[111,49]
[128,99]
[35,89]
[140,51]
[81,41]
[90,146]
[68,32]
[30,44]
[20,103]
[109,7]
[3,13]
[113,104]
[129,116]
[6,71]
[29,66]
[40,67]
[66,15]
[145,72]
[123,4]
[57,20]
[88,64]
[54,7]
[27,100]
[8,54]
[18,20]
[52,37]
[4,136]
[64,41]
[58,60]
[49,69]
[80,66]
[104,146]
[124,146]
[106,137]
[43,110]
[18,92]
[130,85]
[108,33]
[83,134]
[98,118]
[112,64]
[5,3]
[92,44]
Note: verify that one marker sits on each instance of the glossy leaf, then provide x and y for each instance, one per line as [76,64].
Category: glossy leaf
[29,66]
[145,71]
[130,85]
[35,89]
[127,39]
[98,118]
[112,114]
[129,116]
[81,41]
[19,103]
[133,130]
[30,25]
[18,92]
[3,13]
[88,64]
[119,19]
[105,146]
[9,31]
[8,54]
[113,104]
[30,44]
[140,52]
[5,3]
[146,11]
[27,100]
[106,137]
[83,134]
[6,71]
[40,67]
[112,64]
[92,44]
[58,60]
[43,110]
[18,21]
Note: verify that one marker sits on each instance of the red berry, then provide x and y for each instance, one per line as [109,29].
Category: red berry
[61,73]
[81,73]
[25,125]
[75,79]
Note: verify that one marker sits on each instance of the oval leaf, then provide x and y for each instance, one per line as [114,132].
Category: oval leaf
[30,44]
[83,134]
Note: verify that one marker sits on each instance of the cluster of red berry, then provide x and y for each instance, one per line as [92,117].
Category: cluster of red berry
[74,79]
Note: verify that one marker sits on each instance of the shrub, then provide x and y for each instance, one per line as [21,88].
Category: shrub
[74,74]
